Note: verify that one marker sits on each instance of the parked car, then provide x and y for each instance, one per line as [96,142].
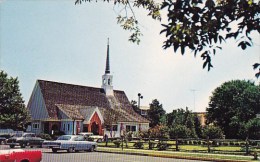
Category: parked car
[90,136]
[19,155]
[71,143]
[2,140]
[25,139]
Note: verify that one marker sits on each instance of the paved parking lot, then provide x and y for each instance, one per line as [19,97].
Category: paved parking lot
[63,156]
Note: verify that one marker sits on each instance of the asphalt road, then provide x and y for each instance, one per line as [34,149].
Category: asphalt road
[63,156]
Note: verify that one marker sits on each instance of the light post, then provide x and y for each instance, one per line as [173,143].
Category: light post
[139,97]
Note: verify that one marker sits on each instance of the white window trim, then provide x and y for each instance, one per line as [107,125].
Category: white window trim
[35,126]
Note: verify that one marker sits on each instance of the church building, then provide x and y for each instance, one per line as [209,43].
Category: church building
[71,108]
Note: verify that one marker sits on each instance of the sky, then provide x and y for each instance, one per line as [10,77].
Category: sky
[59,41]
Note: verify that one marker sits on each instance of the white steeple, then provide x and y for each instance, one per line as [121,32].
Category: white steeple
[107,78]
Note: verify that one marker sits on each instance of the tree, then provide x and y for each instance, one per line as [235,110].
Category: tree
[198,25]
[197,126]
[13,113]
[183,118]
[179,131]
[135,107]
[212,132]
[156,113]
[159,131]
[232,105]
[253,128]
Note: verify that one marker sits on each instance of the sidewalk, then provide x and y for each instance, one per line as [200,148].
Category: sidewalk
[179,155]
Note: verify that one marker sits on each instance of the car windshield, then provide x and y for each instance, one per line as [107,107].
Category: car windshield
[65,138]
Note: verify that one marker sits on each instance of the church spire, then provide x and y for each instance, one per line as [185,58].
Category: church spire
[107,61]
[107,78]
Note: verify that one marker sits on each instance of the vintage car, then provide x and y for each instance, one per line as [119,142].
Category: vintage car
[19,155]
[2,140]
[89,136]
[71,143]
[25,139]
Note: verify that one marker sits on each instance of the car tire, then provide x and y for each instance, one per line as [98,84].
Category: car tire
[70,150]
[92,149]
[54,150]
[23,145]
[11,146]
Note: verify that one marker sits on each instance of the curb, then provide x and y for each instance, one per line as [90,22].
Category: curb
[175,156]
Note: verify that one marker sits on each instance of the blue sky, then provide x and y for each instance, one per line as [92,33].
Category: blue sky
[58,41]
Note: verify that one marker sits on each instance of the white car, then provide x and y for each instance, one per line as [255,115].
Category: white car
[87,135]
[71,143]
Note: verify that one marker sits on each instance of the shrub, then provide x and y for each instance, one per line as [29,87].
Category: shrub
[117,143]
[214,143]
[181,142]
[162,146]
[129,136]
[90,139]
[199,142]
[151,145]
[231,143]
[195,142]
[139,145]
[225,143]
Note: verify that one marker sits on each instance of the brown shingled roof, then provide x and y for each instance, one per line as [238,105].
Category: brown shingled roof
[55,93]
[72,111]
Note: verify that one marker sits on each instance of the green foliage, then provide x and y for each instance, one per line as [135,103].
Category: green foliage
[232,105]
[253,128]
[202,25]
[139,145]
[213,132]
[182,121]
[155,113]
[162,145]
[197,25]
[13,113]
[151,145]
[179,131]
[198,127]
[129,136]
[117,143]
[135,107]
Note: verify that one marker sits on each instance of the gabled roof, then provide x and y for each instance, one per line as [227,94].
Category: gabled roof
[62,95]
[71,111]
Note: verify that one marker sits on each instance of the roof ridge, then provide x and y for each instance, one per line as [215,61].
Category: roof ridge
[74,84]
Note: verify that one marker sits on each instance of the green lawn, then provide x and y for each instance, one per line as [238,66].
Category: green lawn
[190,148]
[181,155]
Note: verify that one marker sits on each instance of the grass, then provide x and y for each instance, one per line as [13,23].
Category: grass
[191,148]
[181,155]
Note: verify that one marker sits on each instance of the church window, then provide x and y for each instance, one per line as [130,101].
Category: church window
[130,128]
[35,125]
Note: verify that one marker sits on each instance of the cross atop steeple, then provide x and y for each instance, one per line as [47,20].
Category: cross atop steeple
[107,61]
